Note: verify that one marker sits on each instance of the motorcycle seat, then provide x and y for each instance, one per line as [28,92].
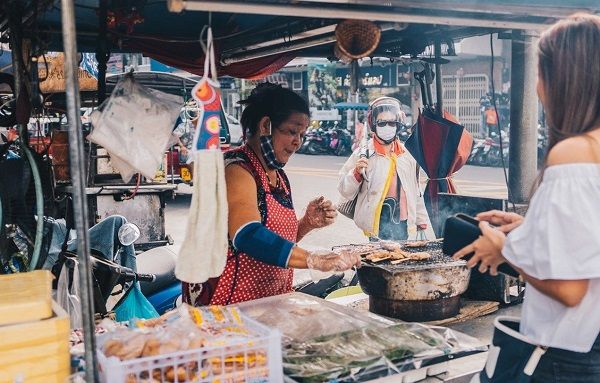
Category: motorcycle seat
[159,261]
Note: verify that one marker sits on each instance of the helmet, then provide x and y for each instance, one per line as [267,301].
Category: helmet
[383,104]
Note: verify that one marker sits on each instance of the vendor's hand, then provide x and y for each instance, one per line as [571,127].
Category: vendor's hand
[505,221]
[361,165]
[332,261]
[320,213]
[487,249]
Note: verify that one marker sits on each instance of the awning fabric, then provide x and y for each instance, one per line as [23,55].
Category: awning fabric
[189,57]
[351,106]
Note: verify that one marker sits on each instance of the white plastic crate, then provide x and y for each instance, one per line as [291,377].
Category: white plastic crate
[256,360]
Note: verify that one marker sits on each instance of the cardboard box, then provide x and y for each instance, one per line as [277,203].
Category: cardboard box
[25,297]
[36,351]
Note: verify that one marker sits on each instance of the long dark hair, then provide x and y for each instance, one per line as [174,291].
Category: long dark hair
[273,101]
[569,65]
[569,71]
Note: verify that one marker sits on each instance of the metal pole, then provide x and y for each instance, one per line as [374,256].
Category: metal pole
[16,39]
[457,97]
[354,88]
[102,58]
[523,117]
[77,168]
[438,79]
[324,11]
[102,50]
[282,48]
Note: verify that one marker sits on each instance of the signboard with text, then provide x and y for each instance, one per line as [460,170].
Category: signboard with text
[51,71]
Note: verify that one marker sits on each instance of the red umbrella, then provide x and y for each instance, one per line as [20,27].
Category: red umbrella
[441,147]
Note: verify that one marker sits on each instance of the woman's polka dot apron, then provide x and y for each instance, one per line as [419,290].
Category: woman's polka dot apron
[244,277]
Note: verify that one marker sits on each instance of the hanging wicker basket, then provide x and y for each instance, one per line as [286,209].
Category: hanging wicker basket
[342,57]
[356,38]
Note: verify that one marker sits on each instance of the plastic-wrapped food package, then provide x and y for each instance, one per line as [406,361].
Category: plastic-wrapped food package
[300,317]
[335,356]
[189,344]
[327,342]
[352,355]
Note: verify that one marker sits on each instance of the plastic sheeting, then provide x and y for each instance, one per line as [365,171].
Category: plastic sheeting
[326,342]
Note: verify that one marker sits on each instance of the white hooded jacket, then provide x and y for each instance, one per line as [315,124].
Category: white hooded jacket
[371,193]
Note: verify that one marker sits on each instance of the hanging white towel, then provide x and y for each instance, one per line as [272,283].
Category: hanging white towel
[204,251]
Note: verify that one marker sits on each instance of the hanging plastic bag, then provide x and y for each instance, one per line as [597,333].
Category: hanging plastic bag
[68,298]
[135,305]
[134,127]
[204,251]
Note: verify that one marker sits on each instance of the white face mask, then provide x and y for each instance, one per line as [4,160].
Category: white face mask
[386,133]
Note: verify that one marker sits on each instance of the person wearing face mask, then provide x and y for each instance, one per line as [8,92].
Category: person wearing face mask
[263,227]
[383,179]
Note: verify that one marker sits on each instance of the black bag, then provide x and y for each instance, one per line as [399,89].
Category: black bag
[347,208]
[512,357]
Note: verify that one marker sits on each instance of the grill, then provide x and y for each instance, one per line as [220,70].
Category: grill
[438,258]
[413,290]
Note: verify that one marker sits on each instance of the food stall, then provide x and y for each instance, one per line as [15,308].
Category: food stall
[218,342]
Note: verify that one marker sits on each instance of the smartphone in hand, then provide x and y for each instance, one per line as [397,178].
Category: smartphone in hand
[460,231]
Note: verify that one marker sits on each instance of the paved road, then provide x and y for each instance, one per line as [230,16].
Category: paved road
[312,176]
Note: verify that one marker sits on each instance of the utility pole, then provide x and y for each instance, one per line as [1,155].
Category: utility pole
[523,117]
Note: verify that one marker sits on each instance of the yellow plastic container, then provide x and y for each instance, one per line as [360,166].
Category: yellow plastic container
[36,351]
[25,297]
[344,292]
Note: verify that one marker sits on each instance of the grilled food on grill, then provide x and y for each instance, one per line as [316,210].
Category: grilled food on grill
[394,252]
[378,256]
[391,246]
[415,244]
[421,256]
[396,256]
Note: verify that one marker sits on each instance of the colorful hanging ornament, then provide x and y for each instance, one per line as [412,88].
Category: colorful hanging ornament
[208,97]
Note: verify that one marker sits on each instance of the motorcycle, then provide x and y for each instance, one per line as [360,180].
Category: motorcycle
[498,152]
[479,152]
[542,144]
[341,143]
[327,140]
[112,281]
[164,292]
[486,152]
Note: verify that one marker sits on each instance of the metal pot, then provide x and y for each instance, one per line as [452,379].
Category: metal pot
[416,290]
[429,282]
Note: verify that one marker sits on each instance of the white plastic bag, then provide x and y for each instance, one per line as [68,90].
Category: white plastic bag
[134,127]
[67,298]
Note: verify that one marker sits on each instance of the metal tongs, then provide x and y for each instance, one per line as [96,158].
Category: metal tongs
[420,236]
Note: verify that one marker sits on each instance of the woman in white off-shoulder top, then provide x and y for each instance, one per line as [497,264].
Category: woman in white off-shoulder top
[556,247]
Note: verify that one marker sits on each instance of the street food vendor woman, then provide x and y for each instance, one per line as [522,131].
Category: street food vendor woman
[263,227]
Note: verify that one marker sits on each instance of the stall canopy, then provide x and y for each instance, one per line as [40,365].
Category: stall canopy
[256,38]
